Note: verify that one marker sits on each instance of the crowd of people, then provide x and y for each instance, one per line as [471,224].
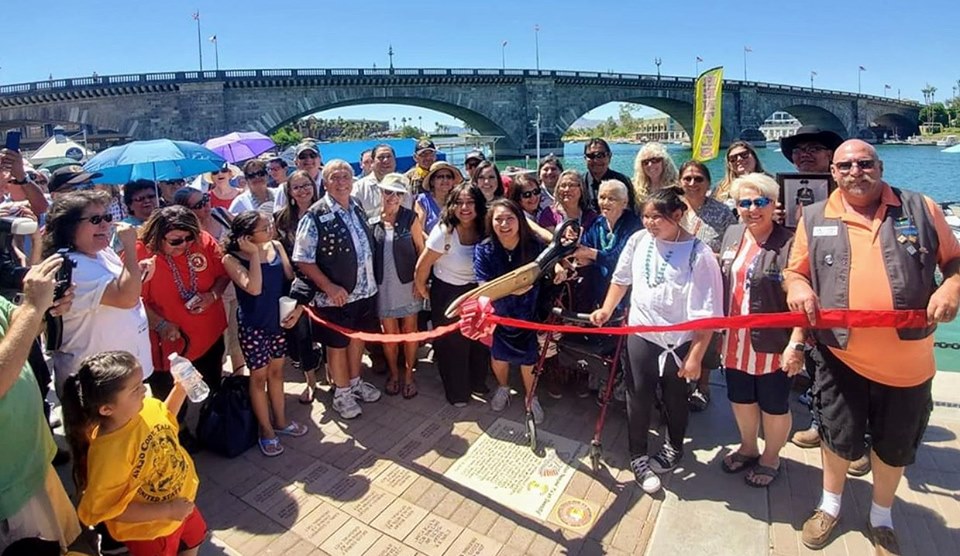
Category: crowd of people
[166,267]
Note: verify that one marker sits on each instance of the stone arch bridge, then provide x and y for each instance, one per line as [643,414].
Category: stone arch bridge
[197,105]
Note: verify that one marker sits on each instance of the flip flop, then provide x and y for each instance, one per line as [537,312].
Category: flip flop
[410,390]
[306,398]
[270,447]
[761,470]
[293,429]
[737,462]
[392,388]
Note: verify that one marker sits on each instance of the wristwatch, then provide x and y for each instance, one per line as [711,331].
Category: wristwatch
[797,346]
[22,181]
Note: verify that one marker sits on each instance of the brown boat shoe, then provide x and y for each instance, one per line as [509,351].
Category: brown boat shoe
[859,467]
[817,529]
[884,540]
[807,438]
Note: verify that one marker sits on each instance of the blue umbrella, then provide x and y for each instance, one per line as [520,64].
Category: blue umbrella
[160,159]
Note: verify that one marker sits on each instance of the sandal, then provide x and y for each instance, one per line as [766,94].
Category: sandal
[758,471]
[736,462]
[270,447]
[306,397]
[392,387]
[410,390]
[698,400]
[293,429]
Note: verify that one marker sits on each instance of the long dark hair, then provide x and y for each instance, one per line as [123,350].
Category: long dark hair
[498,192]
[64,218]
[244,224]
[288,217]
[528,246]
[166,220]
[448,217]
[98,381]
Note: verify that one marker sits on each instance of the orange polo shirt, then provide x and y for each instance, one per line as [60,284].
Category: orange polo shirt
[877,353]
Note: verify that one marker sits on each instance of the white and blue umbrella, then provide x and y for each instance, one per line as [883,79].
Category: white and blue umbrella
[157,160]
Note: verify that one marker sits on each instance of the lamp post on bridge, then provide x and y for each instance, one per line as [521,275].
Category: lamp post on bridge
[812,75]
[860,71]
[658,61]
[390,54]
[216,51]
[503,55]
[536,126]
[745,50]
[696,73]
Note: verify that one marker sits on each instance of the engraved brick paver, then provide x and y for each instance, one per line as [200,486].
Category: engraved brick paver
[375,486]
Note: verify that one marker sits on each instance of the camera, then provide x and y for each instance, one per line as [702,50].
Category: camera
[11,271]
[64,278]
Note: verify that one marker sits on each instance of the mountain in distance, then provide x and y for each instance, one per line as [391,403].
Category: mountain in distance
[585,123]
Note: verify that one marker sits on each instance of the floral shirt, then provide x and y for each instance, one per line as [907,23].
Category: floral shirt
[709,223]
[305,250]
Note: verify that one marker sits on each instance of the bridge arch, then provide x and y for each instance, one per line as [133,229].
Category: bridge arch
[679,110]
[809,114]
[896,124]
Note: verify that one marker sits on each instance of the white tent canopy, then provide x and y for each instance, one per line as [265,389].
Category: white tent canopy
[59,146]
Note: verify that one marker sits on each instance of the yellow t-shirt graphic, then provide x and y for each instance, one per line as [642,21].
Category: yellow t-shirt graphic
[141,462]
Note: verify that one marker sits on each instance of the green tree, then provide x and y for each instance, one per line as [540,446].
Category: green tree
[409,132]
[286,136]
[935,113]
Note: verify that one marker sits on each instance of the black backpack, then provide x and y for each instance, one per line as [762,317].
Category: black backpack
[227,425]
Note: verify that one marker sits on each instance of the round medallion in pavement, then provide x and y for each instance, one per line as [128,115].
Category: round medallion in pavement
[574,513]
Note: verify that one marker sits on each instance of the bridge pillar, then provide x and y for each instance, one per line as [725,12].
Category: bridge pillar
[750,112]
[541,97]
[200,112]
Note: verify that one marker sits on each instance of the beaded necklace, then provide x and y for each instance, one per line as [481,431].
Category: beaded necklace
[185,294]
[607,239]
[659,276]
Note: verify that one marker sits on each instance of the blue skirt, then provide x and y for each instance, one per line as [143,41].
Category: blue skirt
[514,345]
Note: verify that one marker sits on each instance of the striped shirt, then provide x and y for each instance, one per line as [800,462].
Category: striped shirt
[737,351]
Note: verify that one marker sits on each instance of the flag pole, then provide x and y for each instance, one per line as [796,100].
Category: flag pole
[196,17]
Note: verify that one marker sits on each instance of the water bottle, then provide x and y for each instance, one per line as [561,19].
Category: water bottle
[189,377]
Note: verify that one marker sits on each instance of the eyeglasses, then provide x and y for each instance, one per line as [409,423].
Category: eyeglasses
[759,202]
[465,203]
[693,179]
[178,241]
[204,201]
[144,198]
[220,171]
[847,165]
[597,156]
[388,193]
[652,161]
[306,155]
[531,193]
[737,157]
[97,218]
[257,174]
[443,176]
[300,187]
[809,149]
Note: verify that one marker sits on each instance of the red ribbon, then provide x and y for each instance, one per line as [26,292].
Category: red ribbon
[480,323]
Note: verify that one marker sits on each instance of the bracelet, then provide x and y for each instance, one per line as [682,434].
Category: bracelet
[216,296]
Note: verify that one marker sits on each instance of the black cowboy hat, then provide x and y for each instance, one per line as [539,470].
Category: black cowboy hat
[809,134]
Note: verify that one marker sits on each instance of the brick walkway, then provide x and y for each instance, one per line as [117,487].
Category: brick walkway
[375,485]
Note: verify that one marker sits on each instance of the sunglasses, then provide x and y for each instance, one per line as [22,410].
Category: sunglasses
[178,241]
[652,161]
[693,179]
[759,202]
[98,218]
[739,156]
[848,165]
[596,156]
[257,174]
[204,201]
[531,193]
[222,171]
[388,193]
[306,155]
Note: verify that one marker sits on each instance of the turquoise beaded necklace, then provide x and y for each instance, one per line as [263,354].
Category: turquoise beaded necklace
[659,276]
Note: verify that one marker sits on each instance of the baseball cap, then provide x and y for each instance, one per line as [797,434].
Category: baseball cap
[425,144]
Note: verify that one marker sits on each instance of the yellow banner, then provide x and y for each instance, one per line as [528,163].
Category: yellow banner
[706,115]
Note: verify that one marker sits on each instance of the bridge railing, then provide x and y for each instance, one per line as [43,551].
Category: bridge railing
[51,85]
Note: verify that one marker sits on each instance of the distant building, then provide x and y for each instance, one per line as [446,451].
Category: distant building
[779,125]
[664,130]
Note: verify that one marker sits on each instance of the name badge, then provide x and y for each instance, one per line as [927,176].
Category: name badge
[327,217]
[825,231]
[729,255]
[373,221]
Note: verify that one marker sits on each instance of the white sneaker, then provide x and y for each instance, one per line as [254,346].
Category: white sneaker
[501,399]
[365,392]
[536,410]
[644,476]
[346,405]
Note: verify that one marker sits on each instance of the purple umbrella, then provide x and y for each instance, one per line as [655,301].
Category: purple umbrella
[239,146]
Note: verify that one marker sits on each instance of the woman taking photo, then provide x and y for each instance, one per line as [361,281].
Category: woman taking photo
[398,241]
[759,362]
[448,258]
[258,266]
[741,160]
[184,298]
[510,245]
[107,313]
[706,219]
[438,183]
[571,202]
[672,278]
[300,194]
[653,169]
[548,172]
[486,176]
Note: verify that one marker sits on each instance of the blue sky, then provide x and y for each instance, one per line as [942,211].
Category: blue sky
[896,43]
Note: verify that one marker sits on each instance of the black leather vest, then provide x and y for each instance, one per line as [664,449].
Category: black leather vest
[404,250]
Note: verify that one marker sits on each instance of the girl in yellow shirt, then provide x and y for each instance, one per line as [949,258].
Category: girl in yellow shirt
[128,464]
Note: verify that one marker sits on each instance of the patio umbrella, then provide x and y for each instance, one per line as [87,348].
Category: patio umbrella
[157,160]
[239,146]
[55,164]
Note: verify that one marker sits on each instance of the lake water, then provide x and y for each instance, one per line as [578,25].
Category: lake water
[924,169]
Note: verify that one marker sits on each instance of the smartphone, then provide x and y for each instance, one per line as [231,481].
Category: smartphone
[64,276]
[13,140]
[193,302]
